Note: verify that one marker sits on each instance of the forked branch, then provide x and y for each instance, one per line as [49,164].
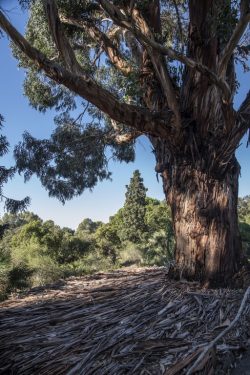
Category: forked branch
[137,25]
[136,117]
[60,39]
[121,19]
[108,46]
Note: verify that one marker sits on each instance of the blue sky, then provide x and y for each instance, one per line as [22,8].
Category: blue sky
[108,196]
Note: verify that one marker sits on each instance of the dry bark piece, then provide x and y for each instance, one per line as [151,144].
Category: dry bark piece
[109,323]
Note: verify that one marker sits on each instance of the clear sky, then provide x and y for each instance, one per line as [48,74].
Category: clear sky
[108,196]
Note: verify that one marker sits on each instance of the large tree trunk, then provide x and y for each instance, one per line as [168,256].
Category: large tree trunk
[205,222]
[198,166]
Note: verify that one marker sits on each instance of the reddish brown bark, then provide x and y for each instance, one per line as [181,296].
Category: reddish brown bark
[205,222]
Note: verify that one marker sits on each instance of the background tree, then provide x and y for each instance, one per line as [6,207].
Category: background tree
[244,223]
[87,228]
[11,205]
[33,252]
[134,209]
[160,68]
[159,241]
[140,233]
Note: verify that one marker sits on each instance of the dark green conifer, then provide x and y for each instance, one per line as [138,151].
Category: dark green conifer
[134,209]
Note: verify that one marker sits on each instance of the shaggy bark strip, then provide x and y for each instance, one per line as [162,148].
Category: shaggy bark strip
[132,321]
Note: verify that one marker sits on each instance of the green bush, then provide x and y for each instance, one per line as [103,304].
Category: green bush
[130,255]
[45,271]
[4,281]
[159,249]
[14,278]
[19,277]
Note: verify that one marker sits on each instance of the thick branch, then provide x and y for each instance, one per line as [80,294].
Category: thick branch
[125,137]
[111,50]
[134,46]
[60,40]
[120,18]
[133,116]
[235,38]
[140,28]
[159,66]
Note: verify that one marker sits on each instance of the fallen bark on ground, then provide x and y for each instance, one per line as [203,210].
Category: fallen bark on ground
[133,321]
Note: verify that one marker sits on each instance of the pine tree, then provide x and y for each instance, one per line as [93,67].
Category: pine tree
[134,209]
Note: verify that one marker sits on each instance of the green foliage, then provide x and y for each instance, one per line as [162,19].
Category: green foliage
[76,155]
[87,228]
[159,244]
[134,209]
[244,219]
[35,252]
[11,205]
[244,209]
[131,254]
[13,278]
[140,233]
[19,277]
[3,281]
[108,241]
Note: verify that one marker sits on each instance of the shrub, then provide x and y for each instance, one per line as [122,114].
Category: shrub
[131,254]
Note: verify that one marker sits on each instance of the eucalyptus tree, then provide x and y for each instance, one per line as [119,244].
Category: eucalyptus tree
[164,69]
[11,205]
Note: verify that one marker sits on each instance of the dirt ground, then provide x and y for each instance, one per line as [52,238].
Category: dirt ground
[131,321]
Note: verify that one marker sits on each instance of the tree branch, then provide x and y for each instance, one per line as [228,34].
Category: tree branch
[141,119]
[125,137]
[181,34]
[140,28]
[159,66]
[111,50]
[120,18]
[235,38]
[60,40]
[134,46]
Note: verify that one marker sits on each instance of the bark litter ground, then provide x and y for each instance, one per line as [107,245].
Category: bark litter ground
[130,321]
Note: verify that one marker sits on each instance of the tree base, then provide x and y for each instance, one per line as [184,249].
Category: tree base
[240,280]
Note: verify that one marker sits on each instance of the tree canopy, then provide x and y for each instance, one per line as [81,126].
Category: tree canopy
[11,205]
[96,51]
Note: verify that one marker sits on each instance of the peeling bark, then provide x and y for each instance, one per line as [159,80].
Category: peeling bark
[205,222]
